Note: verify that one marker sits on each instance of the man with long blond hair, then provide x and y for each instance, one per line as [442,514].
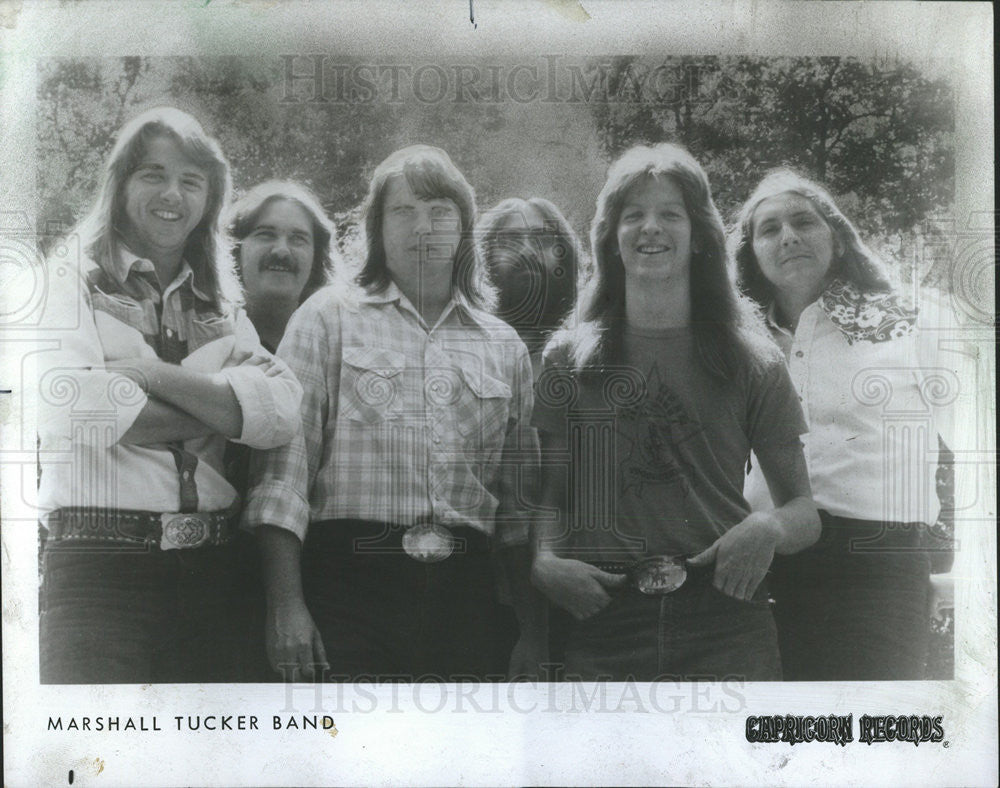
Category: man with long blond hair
[154,368]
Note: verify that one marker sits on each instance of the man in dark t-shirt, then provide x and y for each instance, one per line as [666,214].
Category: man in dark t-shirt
[669,448]
[656,451]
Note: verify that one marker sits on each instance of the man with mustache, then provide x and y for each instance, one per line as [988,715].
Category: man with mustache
[283,250]
[533,258]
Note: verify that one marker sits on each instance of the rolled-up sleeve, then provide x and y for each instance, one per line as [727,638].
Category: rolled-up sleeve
[281,477]
[269,402]
[74,389]
[277,488]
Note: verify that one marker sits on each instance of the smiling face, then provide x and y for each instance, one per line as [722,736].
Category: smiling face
[654,232]
[420,238]
[793,244]
[165,200]
[276,256]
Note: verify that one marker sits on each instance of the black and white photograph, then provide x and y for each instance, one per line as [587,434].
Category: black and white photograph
[478,393]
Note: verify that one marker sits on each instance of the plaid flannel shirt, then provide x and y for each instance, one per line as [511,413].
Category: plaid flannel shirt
[400,423]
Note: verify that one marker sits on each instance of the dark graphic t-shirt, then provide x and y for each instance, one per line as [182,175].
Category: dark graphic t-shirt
[657,447]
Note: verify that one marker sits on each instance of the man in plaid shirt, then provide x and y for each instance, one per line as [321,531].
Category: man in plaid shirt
[378,522]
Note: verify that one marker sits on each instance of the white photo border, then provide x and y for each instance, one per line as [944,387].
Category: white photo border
[493,734]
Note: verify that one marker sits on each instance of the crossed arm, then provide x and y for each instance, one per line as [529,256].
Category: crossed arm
[255,401]
[182,403]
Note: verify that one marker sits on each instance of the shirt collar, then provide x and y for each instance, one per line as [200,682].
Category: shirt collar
[386,295]
[771,318]
[127,261]
[392,294]
[868,317]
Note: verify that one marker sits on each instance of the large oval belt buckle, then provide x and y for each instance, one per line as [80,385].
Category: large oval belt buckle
[659,575]
[181,531]
[428,542]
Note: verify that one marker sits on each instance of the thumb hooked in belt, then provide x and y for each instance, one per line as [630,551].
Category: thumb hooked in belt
[609,579]
[705,557]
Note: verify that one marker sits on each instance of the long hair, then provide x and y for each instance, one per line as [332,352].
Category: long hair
[727,331]
[246,212]
[430,174]
[566,250]
[101,231]
[495,219]
[853,260]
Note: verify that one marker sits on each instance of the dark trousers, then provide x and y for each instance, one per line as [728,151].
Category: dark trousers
[854,607]
[695,633]
[127,616]
[252,665]
[382,614]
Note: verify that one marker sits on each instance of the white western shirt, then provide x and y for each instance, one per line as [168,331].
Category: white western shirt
[878,383]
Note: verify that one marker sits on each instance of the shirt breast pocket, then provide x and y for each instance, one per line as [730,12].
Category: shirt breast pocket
[371,384]
[125,310]
[483,410]
[123,325]
[204,329]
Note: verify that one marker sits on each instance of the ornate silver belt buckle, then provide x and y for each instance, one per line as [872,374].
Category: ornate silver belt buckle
[428,542]
[182,531]
[658,575]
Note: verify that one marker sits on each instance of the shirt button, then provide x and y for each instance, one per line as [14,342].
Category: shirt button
[437,439]
[799,354]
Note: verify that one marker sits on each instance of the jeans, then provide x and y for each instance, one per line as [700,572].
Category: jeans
[847,613]
[382,614]
[252,665]
[124,616]
[694,633]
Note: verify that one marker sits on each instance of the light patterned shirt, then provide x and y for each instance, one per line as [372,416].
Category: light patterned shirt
[402,423]
[877,382]
[94,316]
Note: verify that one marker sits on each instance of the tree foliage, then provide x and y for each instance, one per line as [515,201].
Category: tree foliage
[881,136]
[878,135]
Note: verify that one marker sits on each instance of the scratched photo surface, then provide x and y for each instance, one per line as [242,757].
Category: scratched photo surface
[532,102]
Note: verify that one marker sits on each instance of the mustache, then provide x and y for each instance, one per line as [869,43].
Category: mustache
[279,261]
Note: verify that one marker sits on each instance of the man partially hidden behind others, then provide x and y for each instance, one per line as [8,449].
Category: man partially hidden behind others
[284,250]
[377,524]
[283,245]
